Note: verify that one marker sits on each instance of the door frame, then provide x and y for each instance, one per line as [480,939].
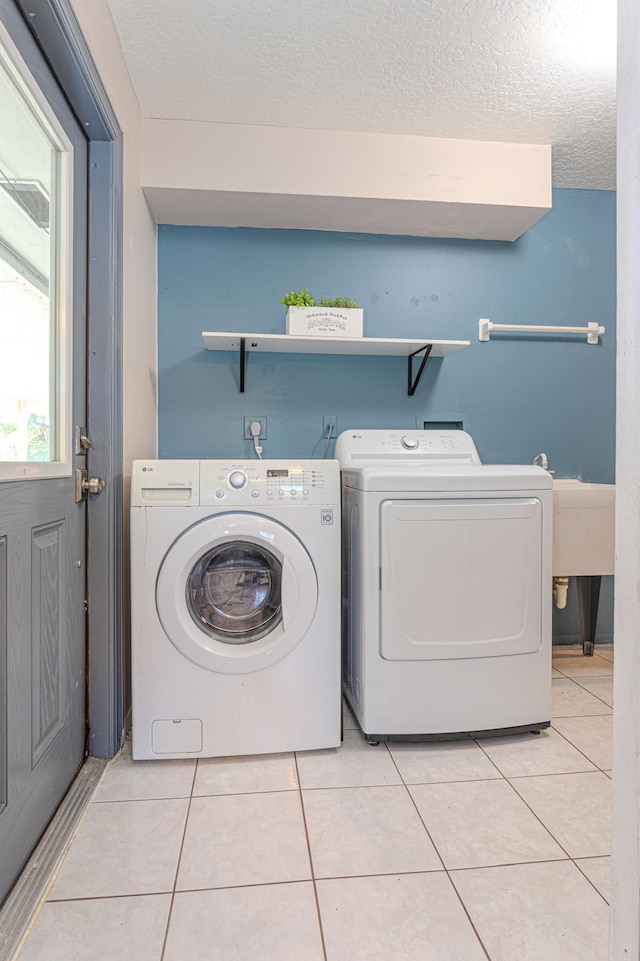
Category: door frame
[625,860]
[54,25]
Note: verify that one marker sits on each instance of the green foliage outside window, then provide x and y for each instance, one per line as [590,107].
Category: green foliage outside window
[38,433]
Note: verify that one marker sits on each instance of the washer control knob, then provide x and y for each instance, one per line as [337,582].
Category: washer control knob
[410,443]
[238,479]
[255,493]
[219,494]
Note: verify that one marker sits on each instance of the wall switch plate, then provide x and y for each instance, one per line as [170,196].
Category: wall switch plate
[263,426]
[330,419]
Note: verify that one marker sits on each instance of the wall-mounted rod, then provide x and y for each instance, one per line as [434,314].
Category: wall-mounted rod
[593,330]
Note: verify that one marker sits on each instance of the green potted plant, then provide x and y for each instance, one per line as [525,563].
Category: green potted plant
[330,317]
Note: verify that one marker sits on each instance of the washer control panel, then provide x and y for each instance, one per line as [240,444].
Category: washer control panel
[269,482]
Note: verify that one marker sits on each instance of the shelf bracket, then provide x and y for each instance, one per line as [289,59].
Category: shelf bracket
[412,384]
[243,363]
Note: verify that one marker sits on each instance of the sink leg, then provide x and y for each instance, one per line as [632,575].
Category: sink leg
[588,599]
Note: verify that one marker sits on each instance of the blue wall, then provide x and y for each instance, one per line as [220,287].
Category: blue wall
[516,395]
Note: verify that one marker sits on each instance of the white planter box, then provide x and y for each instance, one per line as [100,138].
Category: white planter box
[325,321]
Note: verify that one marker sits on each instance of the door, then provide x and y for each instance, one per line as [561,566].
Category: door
[43,227]
[236,593]
[461,578]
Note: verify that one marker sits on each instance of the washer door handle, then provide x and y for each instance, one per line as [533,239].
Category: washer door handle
[289,592]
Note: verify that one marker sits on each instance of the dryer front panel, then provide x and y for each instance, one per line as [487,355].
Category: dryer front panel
[461,578]
[236,593]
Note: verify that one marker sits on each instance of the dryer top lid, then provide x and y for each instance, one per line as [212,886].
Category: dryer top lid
[397,478]
[360,448]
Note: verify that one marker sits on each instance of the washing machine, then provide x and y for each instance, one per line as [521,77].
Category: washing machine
[446,587]
[235,579]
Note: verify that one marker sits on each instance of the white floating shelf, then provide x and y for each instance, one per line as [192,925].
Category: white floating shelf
[364,346]
[288,344]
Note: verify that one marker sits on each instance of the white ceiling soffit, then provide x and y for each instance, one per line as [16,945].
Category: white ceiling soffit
[522,71]
[254,176]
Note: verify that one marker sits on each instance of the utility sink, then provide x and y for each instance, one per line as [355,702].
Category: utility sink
[583,528]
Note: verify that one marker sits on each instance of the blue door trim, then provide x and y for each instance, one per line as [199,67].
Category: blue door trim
[56,29]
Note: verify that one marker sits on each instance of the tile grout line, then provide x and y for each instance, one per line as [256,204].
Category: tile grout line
[608,670]
[604,672]
[590,881]
[539,820]
[489,758]
[175,877]
[576,748]
[336,877]
[130,800]
[576,678]
[554,773]
[109,897]
[511,864]
[311,867]
[569,856]
[415,806]
[358,787]
[560,845]
[605,677]
[435,848]
[524,777]
[466,911]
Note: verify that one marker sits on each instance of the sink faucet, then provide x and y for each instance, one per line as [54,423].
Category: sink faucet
[542,460]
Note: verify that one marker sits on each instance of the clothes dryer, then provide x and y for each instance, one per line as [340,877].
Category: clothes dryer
[446,587]
[235,607]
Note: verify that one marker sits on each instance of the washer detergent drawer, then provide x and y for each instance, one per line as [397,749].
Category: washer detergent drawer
[460,578]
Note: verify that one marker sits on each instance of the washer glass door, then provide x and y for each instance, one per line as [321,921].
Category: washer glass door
[234,592]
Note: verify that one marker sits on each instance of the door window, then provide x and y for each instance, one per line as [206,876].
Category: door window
[234,592]
[35,241]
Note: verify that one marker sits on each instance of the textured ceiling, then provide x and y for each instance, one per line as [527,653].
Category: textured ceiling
[529,71]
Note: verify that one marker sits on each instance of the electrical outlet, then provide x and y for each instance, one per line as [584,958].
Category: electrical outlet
[263,426]
[329,419]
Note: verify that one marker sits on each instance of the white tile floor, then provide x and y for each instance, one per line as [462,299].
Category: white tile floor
[458,851]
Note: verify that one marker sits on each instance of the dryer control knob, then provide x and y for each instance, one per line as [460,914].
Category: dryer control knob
[409,442]
[238,479]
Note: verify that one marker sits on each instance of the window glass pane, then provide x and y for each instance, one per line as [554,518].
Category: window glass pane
[30,346]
